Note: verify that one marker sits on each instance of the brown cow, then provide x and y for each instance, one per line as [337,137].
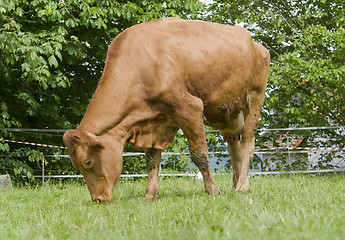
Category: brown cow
[166,75]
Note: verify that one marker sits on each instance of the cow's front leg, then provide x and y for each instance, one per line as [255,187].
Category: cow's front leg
[153,160]
[193,127]
[200,159]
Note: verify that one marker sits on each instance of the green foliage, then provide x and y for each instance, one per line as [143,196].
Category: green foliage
[53,51]
[306,41]
[177,163]
[14,164]
[53,54]
[133,164]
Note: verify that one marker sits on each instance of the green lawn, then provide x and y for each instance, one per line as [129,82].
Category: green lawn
[278,207]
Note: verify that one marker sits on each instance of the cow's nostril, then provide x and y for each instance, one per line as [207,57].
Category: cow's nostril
[101,198]
[97,200]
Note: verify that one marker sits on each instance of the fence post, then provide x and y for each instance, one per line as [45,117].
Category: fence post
[42,168]
[289,153]
[5,181]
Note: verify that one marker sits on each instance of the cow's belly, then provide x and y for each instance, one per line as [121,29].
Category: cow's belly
[228,126]
[235,126]
[229,119]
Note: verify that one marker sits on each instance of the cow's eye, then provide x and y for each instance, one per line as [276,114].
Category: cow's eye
[88,163]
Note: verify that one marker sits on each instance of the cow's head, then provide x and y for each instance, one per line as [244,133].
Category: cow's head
[99,159]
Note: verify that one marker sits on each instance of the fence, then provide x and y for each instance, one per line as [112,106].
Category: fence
[263,155]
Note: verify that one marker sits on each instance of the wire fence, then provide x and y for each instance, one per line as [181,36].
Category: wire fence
[263,154]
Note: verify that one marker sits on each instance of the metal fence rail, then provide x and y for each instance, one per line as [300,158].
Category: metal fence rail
[198,174]
[258,151]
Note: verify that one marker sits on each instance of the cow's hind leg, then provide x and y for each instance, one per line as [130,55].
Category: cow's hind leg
[241,145]
[191,122]
[153,160]
[241,148]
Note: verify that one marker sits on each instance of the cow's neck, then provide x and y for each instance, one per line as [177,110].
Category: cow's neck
[106,109]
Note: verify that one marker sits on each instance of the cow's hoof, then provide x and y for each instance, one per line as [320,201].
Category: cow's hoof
[212,190]
[241,189]
[151,197]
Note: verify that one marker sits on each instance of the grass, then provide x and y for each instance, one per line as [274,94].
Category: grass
[278,207]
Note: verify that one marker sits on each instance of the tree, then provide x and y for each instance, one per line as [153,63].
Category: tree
[306,41]
[307,46]
[53,54]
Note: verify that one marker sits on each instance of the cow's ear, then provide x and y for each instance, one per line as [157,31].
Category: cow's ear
[95,144]
[71,138]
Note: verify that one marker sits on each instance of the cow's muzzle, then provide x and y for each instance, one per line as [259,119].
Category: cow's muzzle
[101,198]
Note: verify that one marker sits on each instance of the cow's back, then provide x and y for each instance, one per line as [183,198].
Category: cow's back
[208,58]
